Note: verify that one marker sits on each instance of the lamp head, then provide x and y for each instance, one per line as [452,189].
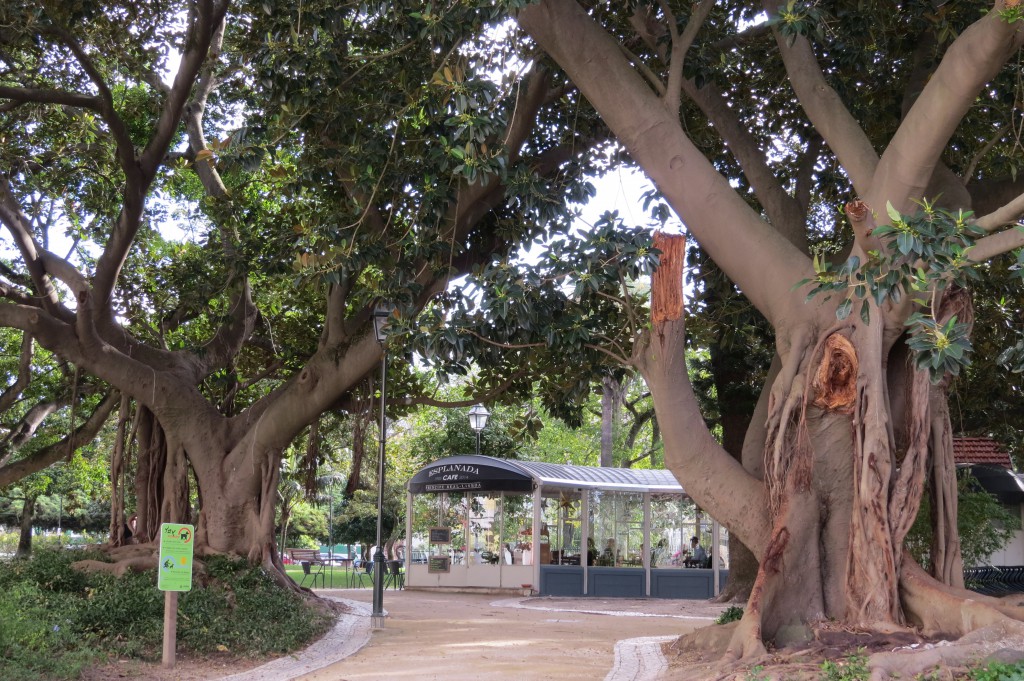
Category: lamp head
[478,416]
[381,313]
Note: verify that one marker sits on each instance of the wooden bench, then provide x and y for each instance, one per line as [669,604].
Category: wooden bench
[312,565]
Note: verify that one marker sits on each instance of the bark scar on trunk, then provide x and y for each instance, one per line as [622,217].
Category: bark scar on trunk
[667,282]
[835,382]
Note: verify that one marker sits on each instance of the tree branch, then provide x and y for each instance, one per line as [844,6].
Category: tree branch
[826,110]
[22,95]
[680,47]
[208,15]
[17,224]
[1002,216]
[117,127]
[13,392]
[992,245]
[42,458]
[909,161]
[231,336]
[747,249]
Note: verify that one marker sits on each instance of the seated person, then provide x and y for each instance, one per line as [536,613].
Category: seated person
[698,556]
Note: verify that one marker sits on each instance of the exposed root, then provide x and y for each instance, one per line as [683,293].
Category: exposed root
[903,654]
[1003,641]
[118,569]
[942,610]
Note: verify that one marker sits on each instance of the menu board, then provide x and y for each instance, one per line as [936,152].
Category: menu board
[440,535]
[439,564]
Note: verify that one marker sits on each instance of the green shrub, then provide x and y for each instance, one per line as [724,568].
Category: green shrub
[55,620]
[730,614]
[853,667]
[998,671]
[37,636]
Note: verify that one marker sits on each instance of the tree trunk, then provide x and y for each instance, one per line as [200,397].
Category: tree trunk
[28,514]
[611,399]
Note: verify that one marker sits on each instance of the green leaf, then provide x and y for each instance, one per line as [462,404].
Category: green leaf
[843,311]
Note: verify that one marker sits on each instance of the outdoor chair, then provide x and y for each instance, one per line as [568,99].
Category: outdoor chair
[312,566]
[394,575]
[355,576]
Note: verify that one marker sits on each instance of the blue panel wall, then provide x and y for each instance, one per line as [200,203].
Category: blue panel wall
[686,583]
[561,580]
[611,582]
[605,582]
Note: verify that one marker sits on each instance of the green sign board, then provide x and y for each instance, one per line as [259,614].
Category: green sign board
[175,568]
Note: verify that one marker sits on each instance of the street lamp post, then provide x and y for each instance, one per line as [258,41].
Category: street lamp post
[478,416]
[380,320]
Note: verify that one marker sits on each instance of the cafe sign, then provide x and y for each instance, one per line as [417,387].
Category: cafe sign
[471,473]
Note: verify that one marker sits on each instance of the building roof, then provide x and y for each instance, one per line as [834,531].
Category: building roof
[485,473]
[971,450]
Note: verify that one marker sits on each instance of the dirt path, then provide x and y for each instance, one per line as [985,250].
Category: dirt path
[474,636]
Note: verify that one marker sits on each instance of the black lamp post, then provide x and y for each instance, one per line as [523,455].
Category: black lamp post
[478,416]
[380,320]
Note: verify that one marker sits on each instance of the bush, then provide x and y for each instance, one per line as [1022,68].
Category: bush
[37,637]
[997,671]
[55,620]
[730,614]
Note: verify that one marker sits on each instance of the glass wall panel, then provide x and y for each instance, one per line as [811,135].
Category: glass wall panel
[454,518]
[516,528]
[669,535]
[484,517]
[426,513]
[560,523]
[723,548]
[617,528]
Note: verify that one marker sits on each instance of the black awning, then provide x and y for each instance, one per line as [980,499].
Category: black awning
[1004,484]
[470,473]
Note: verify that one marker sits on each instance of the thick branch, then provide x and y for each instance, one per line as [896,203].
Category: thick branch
[997,244]
[45,96]
[747,249]
[1005,215]
[708,473]
[208,16]
[232,335]
[973,59]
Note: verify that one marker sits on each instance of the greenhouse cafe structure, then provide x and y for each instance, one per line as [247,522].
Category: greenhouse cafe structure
[558,530]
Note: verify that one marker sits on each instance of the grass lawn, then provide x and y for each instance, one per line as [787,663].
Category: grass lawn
[335,577]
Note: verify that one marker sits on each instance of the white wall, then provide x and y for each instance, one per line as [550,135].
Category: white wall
[1012,553]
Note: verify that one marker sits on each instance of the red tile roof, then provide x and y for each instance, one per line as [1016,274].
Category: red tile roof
[980,450]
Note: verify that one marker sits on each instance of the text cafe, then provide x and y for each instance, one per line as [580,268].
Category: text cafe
[559,530]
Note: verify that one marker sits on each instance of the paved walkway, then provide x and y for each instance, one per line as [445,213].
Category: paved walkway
[454,636]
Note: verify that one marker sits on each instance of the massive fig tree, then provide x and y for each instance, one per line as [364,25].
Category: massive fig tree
[315,159]
[900,118]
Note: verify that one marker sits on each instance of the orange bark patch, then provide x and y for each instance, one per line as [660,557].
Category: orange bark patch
[835,382]
[667,282]
[857,210]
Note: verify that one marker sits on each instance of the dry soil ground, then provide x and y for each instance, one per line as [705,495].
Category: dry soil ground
[456,636]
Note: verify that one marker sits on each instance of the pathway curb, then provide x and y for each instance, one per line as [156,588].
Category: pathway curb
[350,633]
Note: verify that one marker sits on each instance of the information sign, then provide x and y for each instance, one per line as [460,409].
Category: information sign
[440,535]
[175,568]
[438,564]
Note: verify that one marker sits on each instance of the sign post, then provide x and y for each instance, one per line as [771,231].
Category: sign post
[174,574]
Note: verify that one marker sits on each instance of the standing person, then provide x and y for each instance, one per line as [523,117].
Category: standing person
[697,553]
